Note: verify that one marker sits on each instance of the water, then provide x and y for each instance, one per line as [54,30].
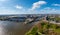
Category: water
[14,28]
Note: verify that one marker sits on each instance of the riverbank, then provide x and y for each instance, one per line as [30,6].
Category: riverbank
[45,28]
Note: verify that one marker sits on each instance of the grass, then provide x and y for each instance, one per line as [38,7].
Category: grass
[45,26]
[34,31]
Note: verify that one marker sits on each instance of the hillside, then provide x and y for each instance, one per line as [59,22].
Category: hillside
[44,28]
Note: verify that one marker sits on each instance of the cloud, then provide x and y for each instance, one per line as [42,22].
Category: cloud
[37,4]
[49,10]
[18,7]
[8,11]
[56,4]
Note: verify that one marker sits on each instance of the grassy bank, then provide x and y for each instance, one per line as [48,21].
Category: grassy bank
[44,28]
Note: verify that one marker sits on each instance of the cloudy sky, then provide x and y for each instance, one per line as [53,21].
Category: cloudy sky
[29,6]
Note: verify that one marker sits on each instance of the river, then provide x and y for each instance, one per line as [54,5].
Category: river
[14,28]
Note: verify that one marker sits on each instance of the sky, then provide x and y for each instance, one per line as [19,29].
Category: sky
[29,7]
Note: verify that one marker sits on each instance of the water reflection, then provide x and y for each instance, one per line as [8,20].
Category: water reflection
[14,28]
